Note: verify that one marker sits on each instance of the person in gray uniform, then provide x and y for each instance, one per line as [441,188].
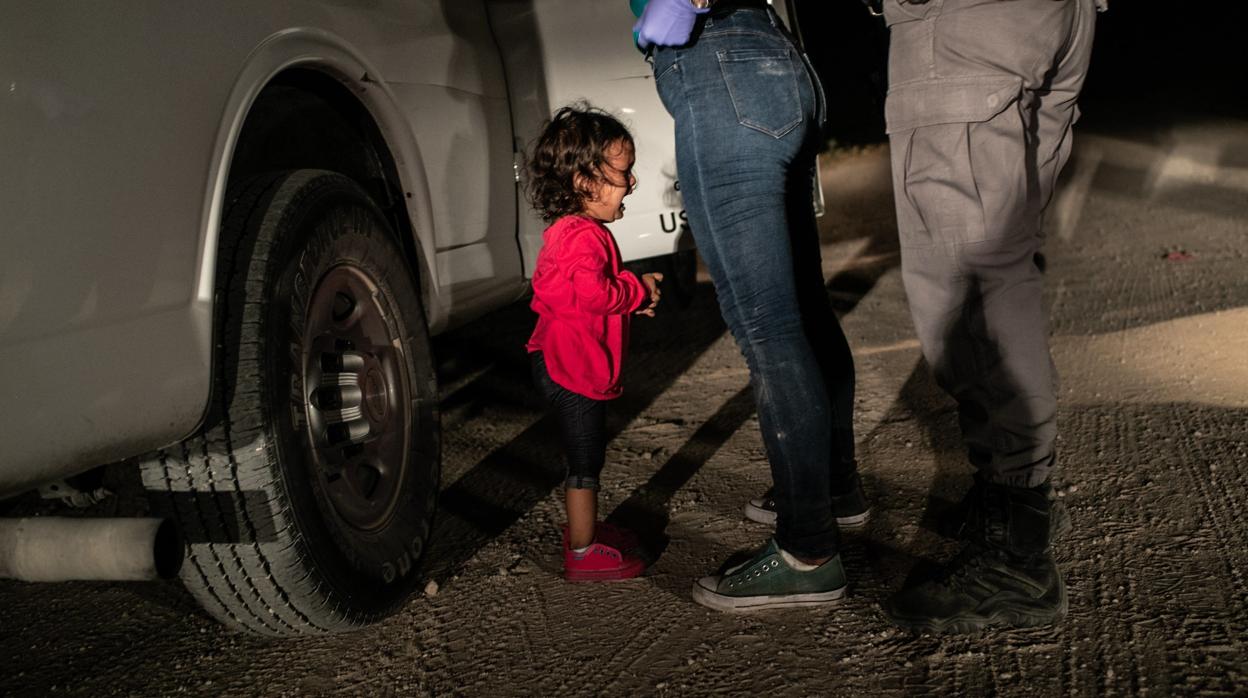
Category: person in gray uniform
[979,112]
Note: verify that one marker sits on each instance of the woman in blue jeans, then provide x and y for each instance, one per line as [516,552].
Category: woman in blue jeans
[748,110]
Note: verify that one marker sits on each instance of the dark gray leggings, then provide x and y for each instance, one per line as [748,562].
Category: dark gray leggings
[583,423]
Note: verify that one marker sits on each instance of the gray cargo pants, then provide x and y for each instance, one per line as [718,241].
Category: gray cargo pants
[980,107]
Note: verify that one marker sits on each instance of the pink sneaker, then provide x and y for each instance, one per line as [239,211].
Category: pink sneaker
[600,563]
[611,535]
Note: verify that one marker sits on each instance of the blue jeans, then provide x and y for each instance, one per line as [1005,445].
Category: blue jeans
[748,110]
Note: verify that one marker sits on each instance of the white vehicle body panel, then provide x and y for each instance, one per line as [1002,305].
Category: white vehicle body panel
[581,62]
[118,121]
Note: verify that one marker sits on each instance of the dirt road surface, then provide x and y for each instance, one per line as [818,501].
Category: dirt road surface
[1149,298]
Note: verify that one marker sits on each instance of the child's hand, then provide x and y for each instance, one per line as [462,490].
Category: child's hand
[651,281]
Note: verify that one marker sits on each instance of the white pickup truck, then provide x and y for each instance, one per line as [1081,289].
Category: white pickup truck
[227,232]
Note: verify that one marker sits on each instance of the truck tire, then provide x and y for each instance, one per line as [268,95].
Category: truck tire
[306,496]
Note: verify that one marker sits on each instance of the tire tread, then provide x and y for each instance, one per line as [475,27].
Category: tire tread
[269,588]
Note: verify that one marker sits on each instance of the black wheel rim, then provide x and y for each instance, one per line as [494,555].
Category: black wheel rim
[357,401]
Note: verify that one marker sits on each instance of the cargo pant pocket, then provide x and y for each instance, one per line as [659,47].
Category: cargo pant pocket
[959,152]
[897,11]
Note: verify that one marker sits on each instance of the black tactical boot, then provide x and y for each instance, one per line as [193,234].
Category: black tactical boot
[1005,576]
[963,521]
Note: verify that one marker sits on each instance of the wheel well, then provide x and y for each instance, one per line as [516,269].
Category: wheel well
[307,119]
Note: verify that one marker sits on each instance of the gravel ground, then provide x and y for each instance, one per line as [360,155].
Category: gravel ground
[1146,261]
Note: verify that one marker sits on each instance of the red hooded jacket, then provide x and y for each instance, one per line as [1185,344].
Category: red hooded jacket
[583,301]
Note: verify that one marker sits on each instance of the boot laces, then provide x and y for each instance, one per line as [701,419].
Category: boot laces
[969,570]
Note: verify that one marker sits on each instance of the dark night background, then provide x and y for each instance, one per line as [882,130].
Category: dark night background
[1153,63]
[1149,318]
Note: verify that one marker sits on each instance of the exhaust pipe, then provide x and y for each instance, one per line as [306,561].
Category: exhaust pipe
[56,549]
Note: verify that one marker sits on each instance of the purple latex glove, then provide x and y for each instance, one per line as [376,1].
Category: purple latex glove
[666,23]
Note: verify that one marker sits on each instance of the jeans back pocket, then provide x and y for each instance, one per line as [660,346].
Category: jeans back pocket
[762,83]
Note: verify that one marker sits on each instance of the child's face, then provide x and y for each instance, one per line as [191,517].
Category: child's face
[616,182]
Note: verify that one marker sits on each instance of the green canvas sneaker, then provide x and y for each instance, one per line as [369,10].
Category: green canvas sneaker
[770,581]
[850,507]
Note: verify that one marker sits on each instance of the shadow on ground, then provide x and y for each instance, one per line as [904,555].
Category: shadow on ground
[507,483]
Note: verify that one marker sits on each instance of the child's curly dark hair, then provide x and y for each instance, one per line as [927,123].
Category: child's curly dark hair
[573,142]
